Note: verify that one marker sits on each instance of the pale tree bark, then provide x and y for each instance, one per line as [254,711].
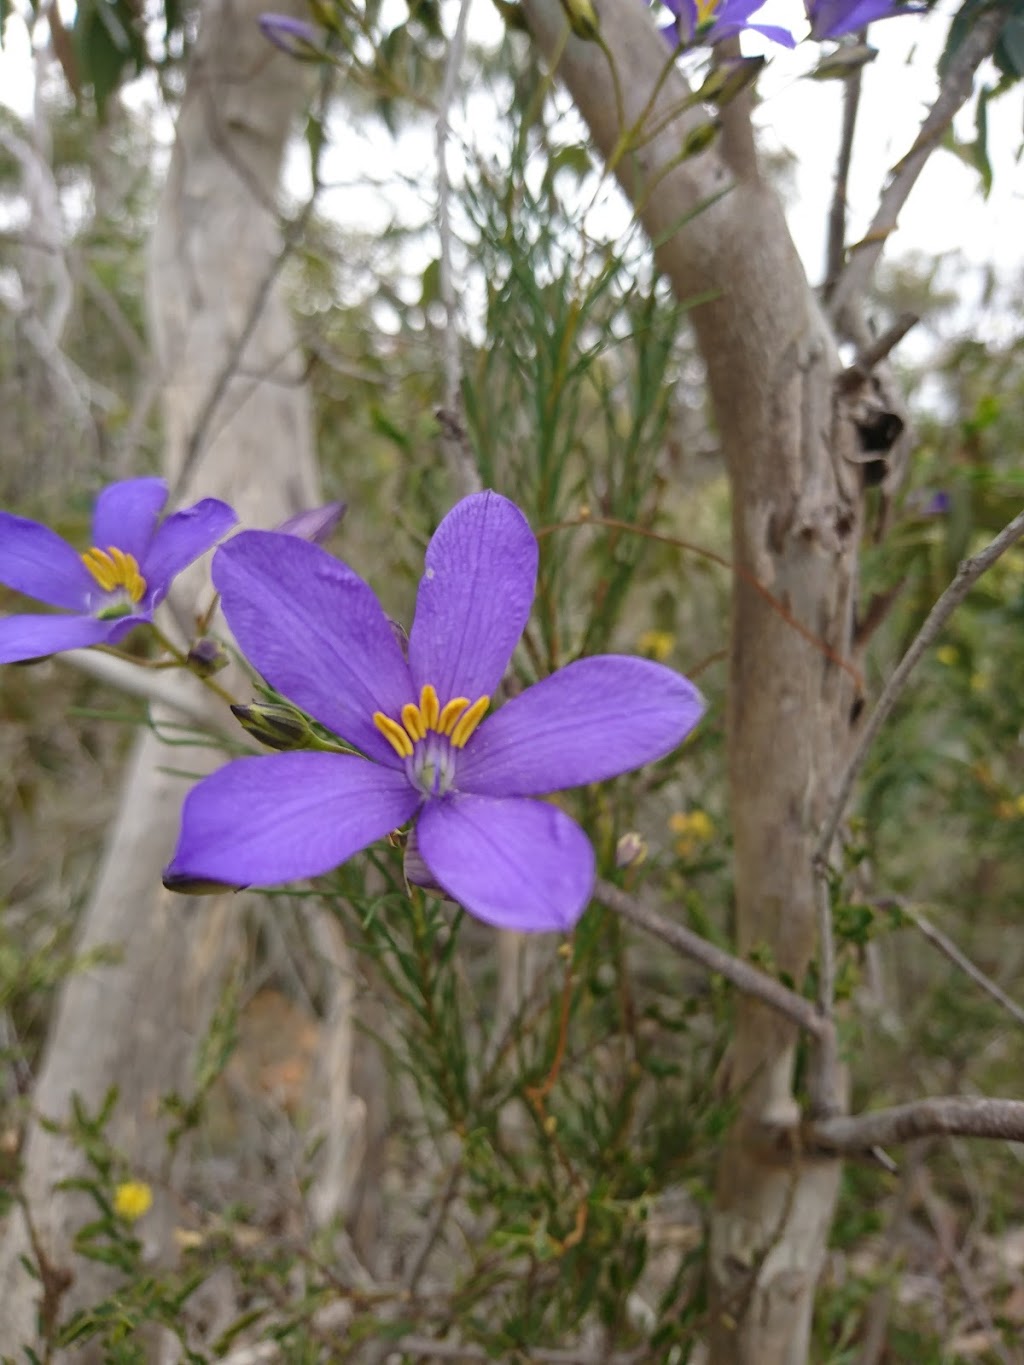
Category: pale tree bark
[214,280]
[791,449]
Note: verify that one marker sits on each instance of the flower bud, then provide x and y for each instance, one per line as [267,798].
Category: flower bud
[582,18]
[207,657]
[275,725]
[631,849]
[183,885]
[315,524]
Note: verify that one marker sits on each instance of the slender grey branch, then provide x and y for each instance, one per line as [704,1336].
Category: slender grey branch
[747,979]
[164,689]
[966,576]
[942,1116]
[954,91]
[543,1355]
[875,351]
[453,434]
[836,249]
[948,948]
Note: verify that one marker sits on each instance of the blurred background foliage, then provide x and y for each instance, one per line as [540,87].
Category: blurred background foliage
[548,1155]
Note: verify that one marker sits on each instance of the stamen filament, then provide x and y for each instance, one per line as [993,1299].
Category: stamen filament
[468,722]
[394,734]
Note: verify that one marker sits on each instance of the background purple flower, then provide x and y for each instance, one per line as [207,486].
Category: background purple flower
[706,22]
[319,636]
[834,18]
[117,583]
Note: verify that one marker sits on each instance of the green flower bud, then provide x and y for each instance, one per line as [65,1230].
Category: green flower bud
[207,657]
[275,725]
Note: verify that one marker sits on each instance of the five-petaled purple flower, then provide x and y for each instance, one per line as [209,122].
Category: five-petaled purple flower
[834,18]
[115,585]
[319,636]
[706,22]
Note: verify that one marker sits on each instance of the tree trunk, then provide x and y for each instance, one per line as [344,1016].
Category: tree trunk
[796,518]
[134,1025]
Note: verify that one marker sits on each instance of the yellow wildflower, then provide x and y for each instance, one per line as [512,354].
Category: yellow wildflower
[656,644]
[694,828]
[132,1199]
[947,655]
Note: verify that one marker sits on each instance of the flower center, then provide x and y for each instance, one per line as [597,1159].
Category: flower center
[706,11]
[116,572]
[429,735]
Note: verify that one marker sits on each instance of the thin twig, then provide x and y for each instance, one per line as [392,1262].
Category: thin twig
[453,432]
[158,688]
[948,948]
[877,350]
[966,576]
[836,250]
[747,979]
[543,1355]
[942,1116]
[954,91]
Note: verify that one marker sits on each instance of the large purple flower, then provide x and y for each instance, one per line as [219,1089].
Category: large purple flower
[834,18]
[319,636]
[706,22]
[116,584]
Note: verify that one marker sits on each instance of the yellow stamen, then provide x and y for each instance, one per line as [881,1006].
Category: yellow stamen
[468,723]
[706,11]
[451,713]
[112,569]
[430,708]
[394,734]
[413,721]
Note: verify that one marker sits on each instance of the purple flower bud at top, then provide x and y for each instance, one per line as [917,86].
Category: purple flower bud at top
[631,849]
[207,657]
[297,37]
[939,504]
[315,523]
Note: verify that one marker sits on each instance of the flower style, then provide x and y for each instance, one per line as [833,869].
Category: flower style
[834,18]
[706,22]
[319,636]
[115,585]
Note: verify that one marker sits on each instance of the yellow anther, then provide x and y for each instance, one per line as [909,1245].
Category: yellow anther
[451,713]
[706,11]
[394,734]
[413,721]
[112,568]
[430,708]
[468,722]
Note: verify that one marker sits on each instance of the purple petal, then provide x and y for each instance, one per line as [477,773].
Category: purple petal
[294,36]
[182,538]
[126,514]
[520,865]
[40,563]
[782,36]
[474,597]
[833,18]
[263,820]
[315,523]
[316,632]
[33,637]
[590,721]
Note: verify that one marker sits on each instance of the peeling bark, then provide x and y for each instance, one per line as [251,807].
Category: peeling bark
[791,451]
[134,1025]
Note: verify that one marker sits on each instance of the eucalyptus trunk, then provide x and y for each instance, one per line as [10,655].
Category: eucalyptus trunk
[791,451]
[237,427]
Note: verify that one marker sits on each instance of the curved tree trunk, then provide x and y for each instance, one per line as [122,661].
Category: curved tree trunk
[796,517]
[134,1025]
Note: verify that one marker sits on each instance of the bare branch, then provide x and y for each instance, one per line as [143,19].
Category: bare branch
[943,1116]
[836,248]
[966,576]
[747,979]
[948,948]
[953,93]
[874,352]
[453,432]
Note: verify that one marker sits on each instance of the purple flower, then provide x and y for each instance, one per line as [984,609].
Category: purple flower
[834,18]
[319,636]
[315,523]
[117,583]
[297,37]
[706,22]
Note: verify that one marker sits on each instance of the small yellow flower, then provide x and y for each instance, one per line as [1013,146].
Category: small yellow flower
[694,828]
[1019,804]
[132,1199]
[656,644]
[1005,810]
[980,682]
[947,655]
